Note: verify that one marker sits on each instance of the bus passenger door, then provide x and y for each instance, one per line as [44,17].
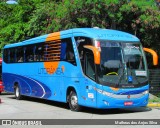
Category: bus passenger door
[90,78]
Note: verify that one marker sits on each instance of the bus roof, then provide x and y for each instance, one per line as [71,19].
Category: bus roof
[106,34]
[95,33]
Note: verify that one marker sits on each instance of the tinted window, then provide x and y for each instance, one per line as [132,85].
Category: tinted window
[19,54]
[81,41]
[67,52]
[12,55]
[52,51]
[29,54]
[5,55]
[89,65]
[61,50]
[38,52]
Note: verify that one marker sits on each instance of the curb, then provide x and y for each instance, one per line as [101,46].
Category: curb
[153,105]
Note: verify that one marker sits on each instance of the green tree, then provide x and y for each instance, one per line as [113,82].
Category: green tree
[14,21]
[143,20]
[31,18]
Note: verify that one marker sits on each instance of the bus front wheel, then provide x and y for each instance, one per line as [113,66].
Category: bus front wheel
[17,93]
[73,101]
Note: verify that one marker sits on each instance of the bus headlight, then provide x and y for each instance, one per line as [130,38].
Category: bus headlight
[107,93]
[145,92]
[104,92]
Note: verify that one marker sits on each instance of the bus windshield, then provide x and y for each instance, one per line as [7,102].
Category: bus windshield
[122,64]
[133,56]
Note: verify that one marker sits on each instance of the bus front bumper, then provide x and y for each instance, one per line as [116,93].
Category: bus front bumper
[122,102]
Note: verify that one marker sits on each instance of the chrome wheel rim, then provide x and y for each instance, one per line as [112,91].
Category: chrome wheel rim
[17,91]
[74,101]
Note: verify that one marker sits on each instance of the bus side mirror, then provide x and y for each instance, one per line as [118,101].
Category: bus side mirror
[154,54]
[96,53]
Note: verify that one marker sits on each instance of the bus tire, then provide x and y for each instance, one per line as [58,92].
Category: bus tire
[73,101]
[17,93]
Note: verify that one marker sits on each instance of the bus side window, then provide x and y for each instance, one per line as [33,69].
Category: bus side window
[19,54]
[63,51]
[28,53]
[35,58]
[12,55]
[40,52]
[81,41]
[89,65]
[69,55]
[6,55]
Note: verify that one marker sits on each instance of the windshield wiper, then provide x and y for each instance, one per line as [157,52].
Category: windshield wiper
[122,72]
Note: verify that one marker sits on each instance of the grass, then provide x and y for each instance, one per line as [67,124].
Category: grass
[155,99]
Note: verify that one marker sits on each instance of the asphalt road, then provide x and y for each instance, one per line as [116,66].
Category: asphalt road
[32,108]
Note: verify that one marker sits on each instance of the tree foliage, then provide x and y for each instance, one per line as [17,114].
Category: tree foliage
[30,18]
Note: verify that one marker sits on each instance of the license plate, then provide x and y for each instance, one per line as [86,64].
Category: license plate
[128,103]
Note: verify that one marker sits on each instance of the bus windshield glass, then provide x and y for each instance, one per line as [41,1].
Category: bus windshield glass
[122,64]
[133,56]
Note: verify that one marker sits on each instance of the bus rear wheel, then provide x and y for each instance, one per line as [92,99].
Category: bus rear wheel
[73,101]
[17,93]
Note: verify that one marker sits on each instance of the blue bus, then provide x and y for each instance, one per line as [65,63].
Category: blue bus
[93,67]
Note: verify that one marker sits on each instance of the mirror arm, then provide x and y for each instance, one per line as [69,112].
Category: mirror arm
[154,54]
[96,53]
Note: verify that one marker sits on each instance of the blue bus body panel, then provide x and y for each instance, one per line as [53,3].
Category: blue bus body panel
[36,82]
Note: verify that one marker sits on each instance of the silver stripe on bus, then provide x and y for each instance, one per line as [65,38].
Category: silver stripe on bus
[39,85]
[128,96]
